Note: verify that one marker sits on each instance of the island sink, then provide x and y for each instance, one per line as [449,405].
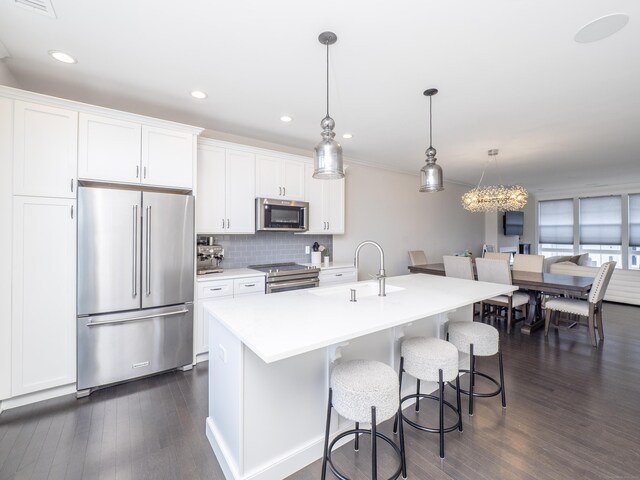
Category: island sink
[363,290]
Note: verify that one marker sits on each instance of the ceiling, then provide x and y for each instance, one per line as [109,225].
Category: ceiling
[510,75]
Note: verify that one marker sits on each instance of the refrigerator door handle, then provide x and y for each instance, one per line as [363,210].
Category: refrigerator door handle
[135,319]
[135,251]
[148,259]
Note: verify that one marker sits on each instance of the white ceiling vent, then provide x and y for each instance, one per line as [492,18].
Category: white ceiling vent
[42,7]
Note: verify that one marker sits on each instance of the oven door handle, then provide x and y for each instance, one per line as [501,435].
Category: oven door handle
[272,287]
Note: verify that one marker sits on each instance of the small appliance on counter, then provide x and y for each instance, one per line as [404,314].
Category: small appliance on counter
[209,256]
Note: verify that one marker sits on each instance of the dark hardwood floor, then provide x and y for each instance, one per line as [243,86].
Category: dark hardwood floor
[573,412]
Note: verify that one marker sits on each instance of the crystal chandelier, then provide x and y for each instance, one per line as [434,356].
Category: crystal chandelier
[494,198]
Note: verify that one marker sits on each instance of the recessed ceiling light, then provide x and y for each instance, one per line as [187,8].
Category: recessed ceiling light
[199,95]
[286,118]
[601,28]
[62,57]
[347,135]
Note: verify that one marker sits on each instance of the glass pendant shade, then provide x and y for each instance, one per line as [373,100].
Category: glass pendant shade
[431,179]
[328,163]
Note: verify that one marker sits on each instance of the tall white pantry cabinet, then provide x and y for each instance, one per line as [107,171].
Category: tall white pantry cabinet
[40,139]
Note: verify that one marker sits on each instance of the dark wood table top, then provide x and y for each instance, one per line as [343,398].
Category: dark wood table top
[547,282]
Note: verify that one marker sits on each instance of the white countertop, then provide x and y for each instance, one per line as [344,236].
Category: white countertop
[283,325]
[230,273]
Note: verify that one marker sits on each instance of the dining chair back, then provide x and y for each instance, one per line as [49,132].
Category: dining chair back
[458,267]
[528,263]
[498,256]
[601,282]
[493,270]
[417,257]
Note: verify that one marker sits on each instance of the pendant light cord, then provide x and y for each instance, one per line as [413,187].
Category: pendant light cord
[430,125]
[327,43]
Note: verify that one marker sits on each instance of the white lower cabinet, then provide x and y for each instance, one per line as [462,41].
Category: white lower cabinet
[44,294]
[222,289]
[335,276]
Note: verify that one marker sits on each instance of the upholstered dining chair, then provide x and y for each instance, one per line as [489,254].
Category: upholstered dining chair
[458,267]
[497,271]
[590,308]
[417,257]
[528,263]
[498,256]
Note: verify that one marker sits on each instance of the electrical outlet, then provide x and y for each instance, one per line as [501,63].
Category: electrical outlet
[222,353]
[307,249]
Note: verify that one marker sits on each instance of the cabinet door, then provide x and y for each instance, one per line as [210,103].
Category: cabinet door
[45,151]
[167,158]
[240,198]
[44,294]
[210,196]
[268,177]
[314,194]
[293,180]
[108,149]
[334,205]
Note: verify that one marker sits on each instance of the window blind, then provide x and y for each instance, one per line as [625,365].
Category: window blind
[601,221]
[555,221]
[634,220]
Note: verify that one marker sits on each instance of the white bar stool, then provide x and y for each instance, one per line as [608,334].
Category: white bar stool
[364,391]
[430,360]
[478,340]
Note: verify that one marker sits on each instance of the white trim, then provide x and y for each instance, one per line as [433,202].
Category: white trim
[27,96]
[38,396]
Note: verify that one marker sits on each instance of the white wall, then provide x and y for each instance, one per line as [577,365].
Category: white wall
[6,77]
[386,207]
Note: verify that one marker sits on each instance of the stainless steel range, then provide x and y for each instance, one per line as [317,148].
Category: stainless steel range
[283,277]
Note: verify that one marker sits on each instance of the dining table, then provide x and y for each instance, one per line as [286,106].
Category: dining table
[533,283]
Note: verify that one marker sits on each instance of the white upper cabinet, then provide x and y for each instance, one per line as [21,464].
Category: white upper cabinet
[45,157]
[167,157]
[114,150]
[279,178]
[225,199]
[109,149]
[326,204]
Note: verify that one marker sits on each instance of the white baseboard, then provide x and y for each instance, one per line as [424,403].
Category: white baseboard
[34,397]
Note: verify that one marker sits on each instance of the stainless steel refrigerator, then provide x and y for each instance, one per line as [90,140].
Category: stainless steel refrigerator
[135,284]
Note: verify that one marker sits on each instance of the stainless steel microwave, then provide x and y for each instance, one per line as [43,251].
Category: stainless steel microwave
[281,215]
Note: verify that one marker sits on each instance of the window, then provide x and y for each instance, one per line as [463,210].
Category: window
[555,227]
[634,231]
[601,229]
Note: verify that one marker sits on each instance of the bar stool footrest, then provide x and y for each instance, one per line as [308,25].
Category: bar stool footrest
[430,429]
[480,394]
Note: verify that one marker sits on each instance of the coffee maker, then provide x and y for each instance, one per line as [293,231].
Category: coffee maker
[209,255]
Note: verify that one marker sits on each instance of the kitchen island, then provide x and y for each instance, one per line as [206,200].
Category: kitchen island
[270,359]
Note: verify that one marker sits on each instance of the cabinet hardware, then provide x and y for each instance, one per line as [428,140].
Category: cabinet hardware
[228,223]
[72,211]
[250,285]
[284,191]
[215,289]
[144,169]
[137,171]
[135,319]
[280,190]
[135,251]
[72,185]
[223,223]
[148,250]
[338,274]
[328,226]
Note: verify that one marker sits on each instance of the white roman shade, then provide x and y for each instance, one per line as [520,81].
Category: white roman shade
[601,221]
[555,221]
[634,220]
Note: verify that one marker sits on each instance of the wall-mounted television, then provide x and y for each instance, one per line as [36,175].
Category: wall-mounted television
[513,223]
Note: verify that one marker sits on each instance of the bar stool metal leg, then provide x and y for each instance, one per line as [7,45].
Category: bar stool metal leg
[459,402]
[472,379]
[374,449]
[326,439]
[441,402]
[356,444]
[504,399]
[418,393]
[398,415]
[403,455]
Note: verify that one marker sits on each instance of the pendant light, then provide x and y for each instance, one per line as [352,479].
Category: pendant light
[431,174]
[328,153]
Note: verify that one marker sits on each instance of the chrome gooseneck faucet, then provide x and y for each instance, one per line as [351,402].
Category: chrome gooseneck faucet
[381,275]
